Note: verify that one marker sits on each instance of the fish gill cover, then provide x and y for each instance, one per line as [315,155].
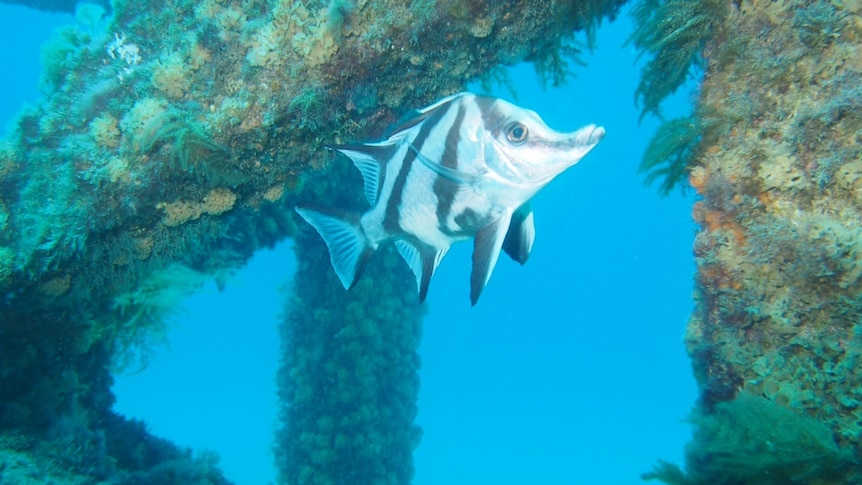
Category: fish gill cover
[173,139]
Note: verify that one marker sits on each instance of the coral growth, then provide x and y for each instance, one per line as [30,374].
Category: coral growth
[142,120]
[170,76]
[217,201]
[105,131]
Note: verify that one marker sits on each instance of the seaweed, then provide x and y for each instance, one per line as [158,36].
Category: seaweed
[751,440]
[498,77]
[674,32]
[553,60]
[144,314]
[192,150]
[553,63]
[61,55]
[587,16]
[676,146]
[308,108]
[818,24]
[668,473]
[52,220]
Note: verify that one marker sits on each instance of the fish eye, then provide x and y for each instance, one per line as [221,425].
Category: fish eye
[516,133]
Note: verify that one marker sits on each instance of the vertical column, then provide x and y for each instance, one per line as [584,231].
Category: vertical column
[349,380]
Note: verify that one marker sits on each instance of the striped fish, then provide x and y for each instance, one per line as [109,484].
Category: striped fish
[464,167]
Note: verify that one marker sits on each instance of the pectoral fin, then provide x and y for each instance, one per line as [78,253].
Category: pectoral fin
[486,251]
[521,235]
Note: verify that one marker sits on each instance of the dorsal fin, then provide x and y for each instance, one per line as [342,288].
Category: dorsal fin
[371,160]
[486,251]
[420,115]
[423,262]
[521,235]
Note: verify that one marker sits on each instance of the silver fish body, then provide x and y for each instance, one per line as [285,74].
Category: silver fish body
[465,167]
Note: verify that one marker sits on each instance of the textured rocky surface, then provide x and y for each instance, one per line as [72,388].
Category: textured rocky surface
[776,160]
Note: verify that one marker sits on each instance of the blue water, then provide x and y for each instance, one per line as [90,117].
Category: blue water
[570,370]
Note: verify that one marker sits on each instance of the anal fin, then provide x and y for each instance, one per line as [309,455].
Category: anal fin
[423,262]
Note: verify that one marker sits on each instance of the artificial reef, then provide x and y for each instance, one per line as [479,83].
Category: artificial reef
[173,141]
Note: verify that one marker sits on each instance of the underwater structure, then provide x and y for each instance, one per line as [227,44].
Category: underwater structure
[174,140]
[68,6]
[773,151]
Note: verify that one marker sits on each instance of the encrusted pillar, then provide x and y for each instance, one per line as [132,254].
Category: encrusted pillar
[776,334]
[349,381]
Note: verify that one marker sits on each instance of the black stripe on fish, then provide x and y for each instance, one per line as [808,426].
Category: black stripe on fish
[444,188]
[492,118]
[469,221]
[392,219]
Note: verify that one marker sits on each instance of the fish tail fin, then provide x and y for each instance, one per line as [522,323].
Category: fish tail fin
[349,248]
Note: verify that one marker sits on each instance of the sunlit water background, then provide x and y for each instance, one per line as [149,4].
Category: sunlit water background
[570,370]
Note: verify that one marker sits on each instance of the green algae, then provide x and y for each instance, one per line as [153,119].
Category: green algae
[673,32]
[676,147]
[307,108]
[146,313]
[554,61]
[190,149]
[751,440]
[669,154]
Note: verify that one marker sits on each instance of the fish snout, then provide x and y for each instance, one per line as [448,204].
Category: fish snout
[597,134]
[589,135]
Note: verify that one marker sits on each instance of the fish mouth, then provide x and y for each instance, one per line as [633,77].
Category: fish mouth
[590,135]
[597,134]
